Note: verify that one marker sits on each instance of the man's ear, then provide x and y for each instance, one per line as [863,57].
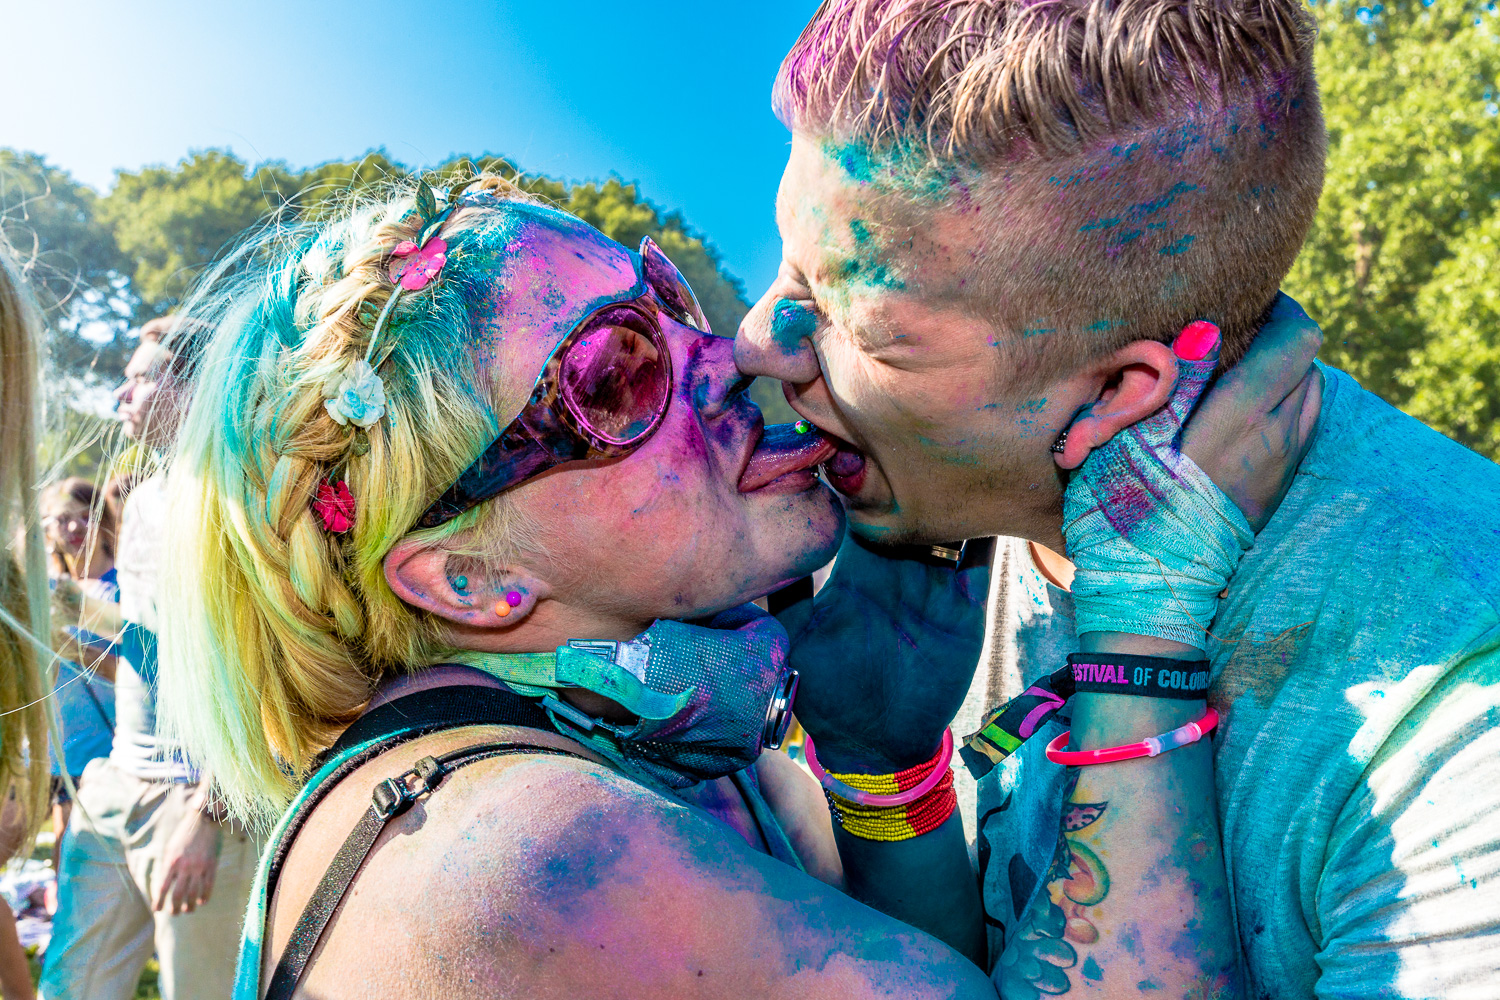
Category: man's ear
[463,590]
[1136,381]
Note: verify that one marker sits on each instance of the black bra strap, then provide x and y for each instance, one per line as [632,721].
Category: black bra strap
[391,798]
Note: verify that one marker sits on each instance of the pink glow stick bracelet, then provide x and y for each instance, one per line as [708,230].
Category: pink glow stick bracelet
[851,794]
[1180,737]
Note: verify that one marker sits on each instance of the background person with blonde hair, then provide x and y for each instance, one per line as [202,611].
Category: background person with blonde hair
[24,617]
[153,865]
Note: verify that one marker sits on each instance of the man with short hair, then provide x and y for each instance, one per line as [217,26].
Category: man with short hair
[149,862]
[994,214]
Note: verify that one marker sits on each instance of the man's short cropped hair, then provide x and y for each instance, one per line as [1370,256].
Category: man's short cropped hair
[1143,163]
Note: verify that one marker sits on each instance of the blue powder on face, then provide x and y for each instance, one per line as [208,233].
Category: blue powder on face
[791,324]
[1091,969]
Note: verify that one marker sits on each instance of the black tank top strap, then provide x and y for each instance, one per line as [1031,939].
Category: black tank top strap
[401,721]
[376,732]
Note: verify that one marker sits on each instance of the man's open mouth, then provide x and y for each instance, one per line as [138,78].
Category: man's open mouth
[846,469]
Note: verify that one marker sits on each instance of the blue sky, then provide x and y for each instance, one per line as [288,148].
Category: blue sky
[673,94]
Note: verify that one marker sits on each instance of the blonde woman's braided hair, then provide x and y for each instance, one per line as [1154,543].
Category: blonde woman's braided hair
[275,629]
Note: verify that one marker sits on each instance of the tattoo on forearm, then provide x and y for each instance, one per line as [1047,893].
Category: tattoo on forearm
[1038,955]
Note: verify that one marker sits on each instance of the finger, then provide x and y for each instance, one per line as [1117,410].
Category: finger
[181,894]
[207,888]
[162,891]
[1197,351]
[1281,353]
[193,897]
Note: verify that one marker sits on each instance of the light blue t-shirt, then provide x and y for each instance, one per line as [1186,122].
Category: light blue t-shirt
[1357,659]
[86,716]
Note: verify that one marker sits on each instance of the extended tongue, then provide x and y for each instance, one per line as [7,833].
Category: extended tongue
[784,448]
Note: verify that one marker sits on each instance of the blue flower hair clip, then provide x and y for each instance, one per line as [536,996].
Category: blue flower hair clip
[355,395]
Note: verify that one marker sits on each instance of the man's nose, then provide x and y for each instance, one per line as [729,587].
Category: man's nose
[774,339]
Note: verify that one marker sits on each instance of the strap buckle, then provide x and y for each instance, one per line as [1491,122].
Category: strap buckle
[394,796]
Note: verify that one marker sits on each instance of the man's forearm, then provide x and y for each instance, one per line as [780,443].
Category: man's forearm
[1136,902]
[926,882]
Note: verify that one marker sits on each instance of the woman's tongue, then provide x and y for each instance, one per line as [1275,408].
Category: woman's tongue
[783,449]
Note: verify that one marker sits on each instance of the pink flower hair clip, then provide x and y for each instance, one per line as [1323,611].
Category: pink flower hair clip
[414,263]
[334,504]
[412,267]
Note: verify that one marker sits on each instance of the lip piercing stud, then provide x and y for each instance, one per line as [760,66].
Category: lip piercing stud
[1060,443]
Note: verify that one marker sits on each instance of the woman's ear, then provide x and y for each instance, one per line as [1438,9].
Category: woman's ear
[463,590]
[1137,381]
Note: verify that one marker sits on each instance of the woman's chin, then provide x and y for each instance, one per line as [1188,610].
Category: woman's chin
[813,546]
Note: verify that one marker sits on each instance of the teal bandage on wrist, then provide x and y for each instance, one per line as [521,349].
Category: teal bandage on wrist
[1153,539]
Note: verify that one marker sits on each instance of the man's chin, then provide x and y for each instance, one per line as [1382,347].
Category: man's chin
[887,531]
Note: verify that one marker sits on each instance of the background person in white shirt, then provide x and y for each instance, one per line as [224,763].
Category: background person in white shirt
[149,863]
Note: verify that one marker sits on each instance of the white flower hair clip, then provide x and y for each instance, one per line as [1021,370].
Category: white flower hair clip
[355,395]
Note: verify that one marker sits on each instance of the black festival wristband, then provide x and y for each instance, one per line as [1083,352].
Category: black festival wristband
[1145,676]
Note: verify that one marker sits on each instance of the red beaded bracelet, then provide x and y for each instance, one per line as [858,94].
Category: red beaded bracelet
[1179,737]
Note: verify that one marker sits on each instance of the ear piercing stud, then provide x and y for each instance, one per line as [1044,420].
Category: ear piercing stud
[1060,443]
[512,601]
[803,427]
[460,583]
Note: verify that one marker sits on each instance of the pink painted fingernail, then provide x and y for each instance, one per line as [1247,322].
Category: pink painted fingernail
[1196,340]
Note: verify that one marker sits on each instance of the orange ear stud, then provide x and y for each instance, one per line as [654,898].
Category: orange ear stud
[512,601]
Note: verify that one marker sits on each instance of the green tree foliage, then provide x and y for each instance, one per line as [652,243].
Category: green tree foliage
[171,222]
[139,248]
[1401,267]
[68,254]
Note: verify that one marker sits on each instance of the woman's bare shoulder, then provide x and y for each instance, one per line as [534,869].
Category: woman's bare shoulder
[550,876]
